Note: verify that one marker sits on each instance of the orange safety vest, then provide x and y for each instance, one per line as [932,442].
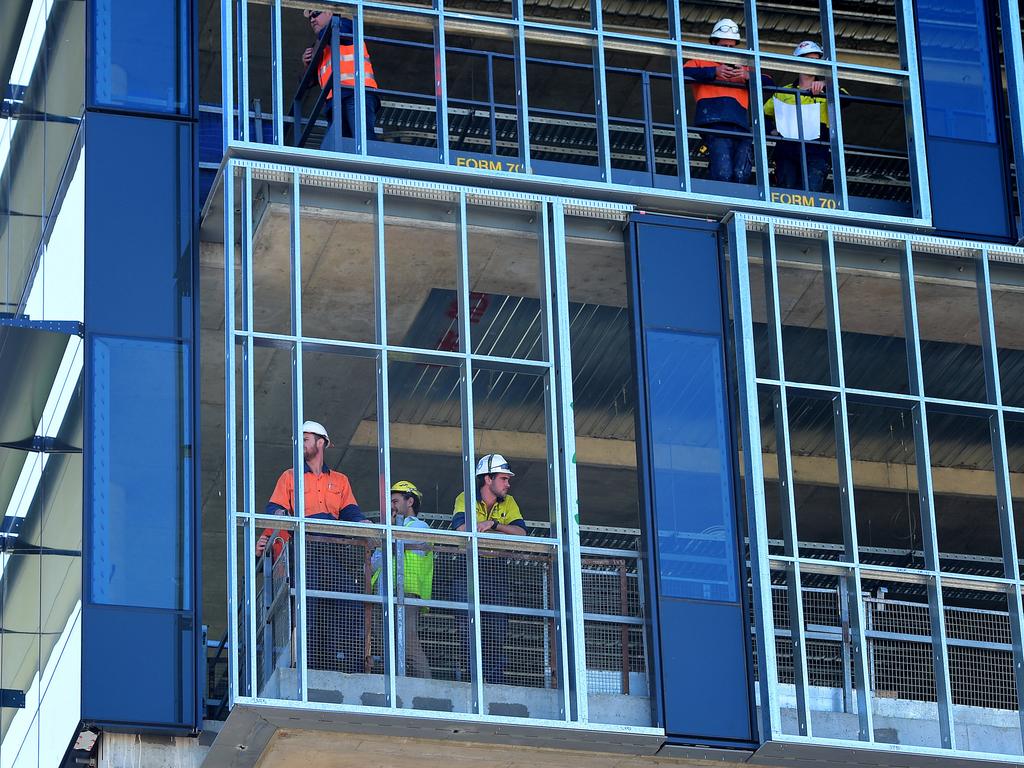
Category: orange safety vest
[346,55]
[717,90]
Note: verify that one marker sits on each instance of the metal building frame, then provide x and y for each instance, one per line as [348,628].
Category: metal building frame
[235,67]
[245,515]
[792,563]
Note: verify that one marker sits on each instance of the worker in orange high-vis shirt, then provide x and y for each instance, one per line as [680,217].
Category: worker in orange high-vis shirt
[320,21]
[334,627]
[722,99]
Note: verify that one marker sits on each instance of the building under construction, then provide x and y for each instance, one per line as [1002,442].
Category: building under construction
[712,314]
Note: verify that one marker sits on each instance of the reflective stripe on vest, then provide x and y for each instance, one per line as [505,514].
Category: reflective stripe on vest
[347,75]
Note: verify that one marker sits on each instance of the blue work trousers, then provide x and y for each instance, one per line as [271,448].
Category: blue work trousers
[331,141]
[789,174]
[730,158]
[493,626]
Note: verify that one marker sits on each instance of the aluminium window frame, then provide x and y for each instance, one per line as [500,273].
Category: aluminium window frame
[517,28]
[241,339]
[851,570]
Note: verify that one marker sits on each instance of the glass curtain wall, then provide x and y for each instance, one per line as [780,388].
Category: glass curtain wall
[42,168]
[876,375]
[404,351]
[807,105]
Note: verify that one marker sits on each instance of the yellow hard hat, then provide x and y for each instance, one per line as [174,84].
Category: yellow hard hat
[404,486]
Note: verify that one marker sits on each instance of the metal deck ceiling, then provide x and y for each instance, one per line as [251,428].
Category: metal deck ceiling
[886,434]
[602,383]
[871,24]
[604,401]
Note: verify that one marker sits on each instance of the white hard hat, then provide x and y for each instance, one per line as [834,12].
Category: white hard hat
[315,428]
[492,464]
[807,47]
[726,29]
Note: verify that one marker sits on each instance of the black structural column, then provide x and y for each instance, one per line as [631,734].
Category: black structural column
[687,473]
[141,635]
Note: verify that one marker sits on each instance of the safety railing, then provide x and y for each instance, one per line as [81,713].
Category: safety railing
[899,641]
[899,648]
[643,150]
[518,605]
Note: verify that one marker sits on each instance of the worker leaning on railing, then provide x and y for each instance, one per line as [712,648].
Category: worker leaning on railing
[417,570]
[334,628]
[796,115]
[722,105]
[320,21]
[496,512]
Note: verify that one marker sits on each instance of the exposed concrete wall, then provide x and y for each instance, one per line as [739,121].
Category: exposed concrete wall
[132,750]
[307,749]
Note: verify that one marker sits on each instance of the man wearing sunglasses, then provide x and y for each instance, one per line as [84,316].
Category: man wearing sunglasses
[320,22]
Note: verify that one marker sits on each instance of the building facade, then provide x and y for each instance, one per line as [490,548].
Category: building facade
[705,310]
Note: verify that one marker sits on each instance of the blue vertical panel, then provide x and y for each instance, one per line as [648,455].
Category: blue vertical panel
[962,118]
[140,546]
[138,226]
[139,668]
[140,56]
[688,466]
[140,559]
[690,458]
[141,644]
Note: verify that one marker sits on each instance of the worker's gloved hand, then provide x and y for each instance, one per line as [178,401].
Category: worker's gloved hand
[307,56]
[261,544]
[375,559]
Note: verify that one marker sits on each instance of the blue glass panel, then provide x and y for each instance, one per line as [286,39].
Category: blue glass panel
[139,667]
[679,278]
[141,55]
[692,472]
[139,226]
[706,689]
[140,506]
[956,69]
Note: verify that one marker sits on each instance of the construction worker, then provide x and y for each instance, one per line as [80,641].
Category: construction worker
[320,21]
[417,569]
[797,136]
[334,627]
[722,99]
[496,512]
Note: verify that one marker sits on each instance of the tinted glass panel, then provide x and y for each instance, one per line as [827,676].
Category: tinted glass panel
[157,666]
[956,69]
[141,55]
[138,243]
[141,470]
[692,475]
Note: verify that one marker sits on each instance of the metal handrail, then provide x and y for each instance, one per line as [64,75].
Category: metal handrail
[493,108]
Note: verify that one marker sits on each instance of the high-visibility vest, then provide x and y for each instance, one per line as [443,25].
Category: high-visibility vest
[715,90]
[418,569]
[805,98]
[346,55]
